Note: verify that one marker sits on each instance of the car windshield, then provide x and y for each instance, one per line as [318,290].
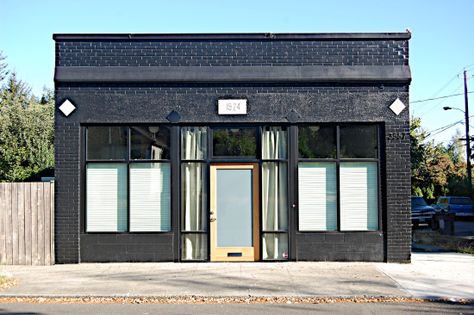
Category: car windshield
[418,201]
[461,201]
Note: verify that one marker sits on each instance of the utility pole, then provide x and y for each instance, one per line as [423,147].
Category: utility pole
[468,138]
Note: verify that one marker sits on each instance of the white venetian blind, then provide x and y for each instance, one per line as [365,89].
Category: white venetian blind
[149,197]
[317,193]
[358,196]
[106,197]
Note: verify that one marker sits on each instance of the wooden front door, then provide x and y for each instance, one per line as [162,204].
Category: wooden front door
[234,225]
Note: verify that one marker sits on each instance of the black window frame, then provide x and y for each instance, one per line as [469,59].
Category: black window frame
[338,160]
[128,161]
[285,161]
[206,161]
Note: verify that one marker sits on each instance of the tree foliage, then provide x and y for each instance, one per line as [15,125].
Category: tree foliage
[26,131]
[3,67]
[436,170]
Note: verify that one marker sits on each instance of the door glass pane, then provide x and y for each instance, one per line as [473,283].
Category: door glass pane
[274,196]
[150,197]
[193,143]
[150,143]
[317,194]
[275,246]
[235,142]
[194,246]
[359,196]
[358,141]
[107,143]
[234,208]
[274,143]
[317,142]
[106,206]
[193,197]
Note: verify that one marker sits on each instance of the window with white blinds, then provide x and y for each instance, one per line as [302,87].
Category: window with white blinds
[358,196]
[317,194]
[338,177]
[150,197]
[106,197]
[128,179]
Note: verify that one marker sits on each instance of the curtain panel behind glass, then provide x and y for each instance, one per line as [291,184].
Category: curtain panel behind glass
[274,196]
[193,143]
[274,192]
[274,143]
[193,197]
[193,193]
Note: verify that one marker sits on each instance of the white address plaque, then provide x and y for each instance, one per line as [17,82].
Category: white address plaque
[232,107]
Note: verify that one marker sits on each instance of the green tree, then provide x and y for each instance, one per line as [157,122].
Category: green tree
[436,170]
[26,131]
[3,67]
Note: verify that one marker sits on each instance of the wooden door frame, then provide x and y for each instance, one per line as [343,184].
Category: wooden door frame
[221,254]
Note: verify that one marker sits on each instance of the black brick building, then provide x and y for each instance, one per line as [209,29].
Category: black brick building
[211,147]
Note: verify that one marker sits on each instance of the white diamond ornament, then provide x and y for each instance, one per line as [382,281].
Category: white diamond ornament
[67,108]
[397,106]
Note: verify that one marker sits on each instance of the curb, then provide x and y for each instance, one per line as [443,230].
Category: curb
[196,299]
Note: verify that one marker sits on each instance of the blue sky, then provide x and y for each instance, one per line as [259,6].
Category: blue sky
[441,46]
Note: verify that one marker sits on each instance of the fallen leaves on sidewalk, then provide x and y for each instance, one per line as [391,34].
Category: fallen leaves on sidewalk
[216,300]
[6,282]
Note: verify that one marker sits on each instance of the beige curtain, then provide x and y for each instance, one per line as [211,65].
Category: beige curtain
[274,190]
[193,140]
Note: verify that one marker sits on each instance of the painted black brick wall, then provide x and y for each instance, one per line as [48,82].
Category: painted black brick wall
[231,53]
[142,103]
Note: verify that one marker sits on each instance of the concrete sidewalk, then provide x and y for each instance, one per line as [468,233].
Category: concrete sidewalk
[430,275]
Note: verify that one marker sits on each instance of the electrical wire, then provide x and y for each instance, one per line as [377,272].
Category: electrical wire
[440,97]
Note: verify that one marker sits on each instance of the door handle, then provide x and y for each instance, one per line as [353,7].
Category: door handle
[213,219]
[211,213]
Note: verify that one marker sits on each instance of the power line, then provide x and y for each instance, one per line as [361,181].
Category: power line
[443,129]
[440,97]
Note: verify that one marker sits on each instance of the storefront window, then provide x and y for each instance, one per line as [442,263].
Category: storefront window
[150,143]
[317,189]
[317,142]
[228,142]
[150,197]
[193,143]
[358,141]
[274,193]
[341,194]
[194,215]
[107,143]
[359,202]
[106,197]
[108,183]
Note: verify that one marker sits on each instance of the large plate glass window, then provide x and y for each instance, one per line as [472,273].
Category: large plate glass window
[338,178]
[128,179]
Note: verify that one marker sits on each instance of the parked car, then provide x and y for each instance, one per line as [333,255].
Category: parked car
[460,206]
[421,212]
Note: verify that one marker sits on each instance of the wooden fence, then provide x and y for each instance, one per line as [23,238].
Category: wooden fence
[27,223]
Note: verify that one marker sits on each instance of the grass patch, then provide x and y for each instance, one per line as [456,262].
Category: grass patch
[446,242]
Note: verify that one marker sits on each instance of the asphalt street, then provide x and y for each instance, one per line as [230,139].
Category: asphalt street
[229,309]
